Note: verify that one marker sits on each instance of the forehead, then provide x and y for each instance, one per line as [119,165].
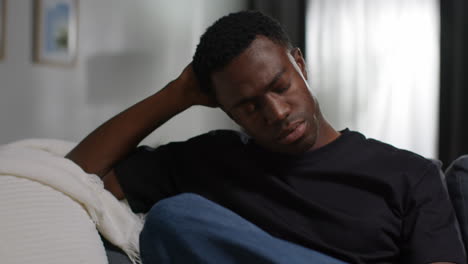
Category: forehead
[251,71]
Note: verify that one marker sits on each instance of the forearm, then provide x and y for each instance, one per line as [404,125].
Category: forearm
[114,139]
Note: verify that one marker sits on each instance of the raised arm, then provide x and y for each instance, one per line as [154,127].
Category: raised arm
[104,147]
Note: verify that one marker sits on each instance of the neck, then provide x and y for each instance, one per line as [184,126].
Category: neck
[325,134]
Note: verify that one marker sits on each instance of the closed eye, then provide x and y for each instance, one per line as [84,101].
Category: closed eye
[250,107]
[283,89]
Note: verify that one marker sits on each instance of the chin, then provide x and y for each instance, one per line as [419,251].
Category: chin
[304,144]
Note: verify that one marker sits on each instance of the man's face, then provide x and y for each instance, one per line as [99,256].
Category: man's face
[265,91]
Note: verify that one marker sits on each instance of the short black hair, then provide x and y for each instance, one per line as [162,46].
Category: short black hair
[228,37]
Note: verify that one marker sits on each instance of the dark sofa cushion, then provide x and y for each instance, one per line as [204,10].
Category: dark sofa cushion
[456,177]
[114,254]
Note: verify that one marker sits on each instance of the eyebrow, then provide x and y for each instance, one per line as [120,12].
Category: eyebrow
[271,84]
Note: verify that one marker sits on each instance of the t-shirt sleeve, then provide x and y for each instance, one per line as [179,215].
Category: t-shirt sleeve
[146,176]
[429,227]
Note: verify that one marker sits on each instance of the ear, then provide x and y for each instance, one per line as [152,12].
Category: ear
[299,59]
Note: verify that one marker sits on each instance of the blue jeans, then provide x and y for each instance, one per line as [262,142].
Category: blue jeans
[191,229]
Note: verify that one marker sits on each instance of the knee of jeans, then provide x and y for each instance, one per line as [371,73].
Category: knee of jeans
[172,211]
[182,199]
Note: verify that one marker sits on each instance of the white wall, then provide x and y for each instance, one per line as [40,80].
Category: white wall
[127,51]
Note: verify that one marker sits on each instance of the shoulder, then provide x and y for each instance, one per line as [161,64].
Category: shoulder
[218,139]
[390,158]
[207,142]
[222,136]
[214,137]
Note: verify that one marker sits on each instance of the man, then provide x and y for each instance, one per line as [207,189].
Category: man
[304,186]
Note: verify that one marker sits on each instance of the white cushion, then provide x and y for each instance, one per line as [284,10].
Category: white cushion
[41,225]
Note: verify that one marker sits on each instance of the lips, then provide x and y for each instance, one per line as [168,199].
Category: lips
[292,133]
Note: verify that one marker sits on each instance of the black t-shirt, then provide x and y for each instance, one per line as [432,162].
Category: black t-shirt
[355,199]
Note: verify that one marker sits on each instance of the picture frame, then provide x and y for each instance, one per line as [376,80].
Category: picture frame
[3,14]
[55,32]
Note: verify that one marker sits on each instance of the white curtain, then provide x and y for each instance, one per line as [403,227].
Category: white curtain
[374,66]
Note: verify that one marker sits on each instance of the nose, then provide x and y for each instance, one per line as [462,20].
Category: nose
[275,108]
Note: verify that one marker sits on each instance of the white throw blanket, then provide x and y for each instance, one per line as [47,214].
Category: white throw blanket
[42,160]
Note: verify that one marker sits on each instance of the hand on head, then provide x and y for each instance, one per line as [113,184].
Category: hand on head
[192,88]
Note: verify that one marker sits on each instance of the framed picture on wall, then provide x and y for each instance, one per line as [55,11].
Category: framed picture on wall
[2,28]
[55,32]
